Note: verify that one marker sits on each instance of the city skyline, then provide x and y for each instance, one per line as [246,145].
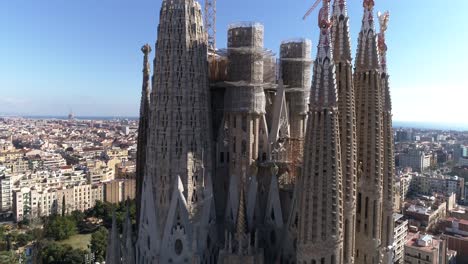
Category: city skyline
[67,71]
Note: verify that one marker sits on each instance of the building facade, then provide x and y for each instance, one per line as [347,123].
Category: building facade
[258,163]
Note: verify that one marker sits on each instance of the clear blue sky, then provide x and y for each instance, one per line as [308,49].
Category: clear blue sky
[85,55]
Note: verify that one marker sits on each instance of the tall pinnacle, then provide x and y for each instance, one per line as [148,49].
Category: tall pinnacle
[179,150]
[370,134]
[347,117]
[320,196]
[389,160]
[340,32]
[323,88]
[143,127]
[367,54]
[241,216]
[113,254]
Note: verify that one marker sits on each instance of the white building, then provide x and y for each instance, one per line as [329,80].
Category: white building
[415,159]
[400,232]
[29,202]
[6,184]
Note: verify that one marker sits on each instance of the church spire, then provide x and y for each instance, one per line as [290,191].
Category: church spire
[370,135]
[367,57]
[320,198]
[389,160]
[347,117]
[113,254]
[143,128]
[241,225]
[323,86]
[128,249]
[340,32]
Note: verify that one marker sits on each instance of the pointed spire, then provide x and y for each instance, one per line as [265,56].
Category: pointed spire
[340,8]
[324,23]
[320,192]
[128,250]
[241,216]
[143,129]
[113,245]
[368,18]
[324,92]
[367,57]
[280,127]
[149,238]
[145,96]
[340,32]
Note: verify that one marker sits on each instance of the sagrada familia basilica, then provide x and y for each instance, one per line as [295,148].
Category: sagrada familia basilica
[246,158]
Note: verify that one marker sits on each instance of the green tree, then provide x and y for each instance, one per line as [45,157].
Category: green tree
[59,227]
[36,233]
[8,257]
[23,239]
[64,206]
[54,253]
[99,243]
[77,216]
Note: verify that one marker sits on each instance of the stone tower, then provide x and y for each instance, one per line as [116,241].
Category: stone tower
[347,117]
[179,142]
[370,134]
[389,159]
[296,67]
[320,238]
[143,127]
[245,134]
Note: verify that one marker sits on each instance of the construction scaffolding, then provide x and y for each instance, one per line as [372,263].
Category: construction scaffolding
[296,68]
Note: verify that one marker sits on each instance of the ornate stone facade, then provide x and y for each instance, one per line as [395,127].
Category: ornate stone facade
[370,131]
[347,116]
[263,164]
[320,238]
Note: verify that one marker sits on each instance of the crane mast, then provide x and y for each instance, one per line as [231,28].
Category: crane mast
[210,23]
[317,2]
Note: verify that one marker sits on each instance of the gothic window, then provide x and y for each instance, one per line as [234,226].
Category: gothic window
[244,123]
[273,237]
[221,157]
[358,211]
[366,208]
[374,220]
[244,147]
[234,145]
[178,247]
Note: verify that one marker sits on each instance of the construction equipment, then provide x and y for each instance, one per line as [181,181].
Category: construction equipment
[323,18]
[311,9]
[210,23]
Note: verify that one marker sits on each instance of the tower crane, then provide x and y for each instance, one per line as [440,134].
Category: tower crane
[317,2]
[210,23]
[323,18]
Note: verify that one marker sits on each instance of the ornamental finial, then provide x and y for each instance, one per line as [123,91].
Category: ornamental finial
[324,15]
[383,20]
[368,4]
[146,49]
[382,45]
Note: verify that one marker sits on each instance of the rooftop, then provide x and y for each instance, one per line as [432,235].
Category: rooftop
[426,242]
